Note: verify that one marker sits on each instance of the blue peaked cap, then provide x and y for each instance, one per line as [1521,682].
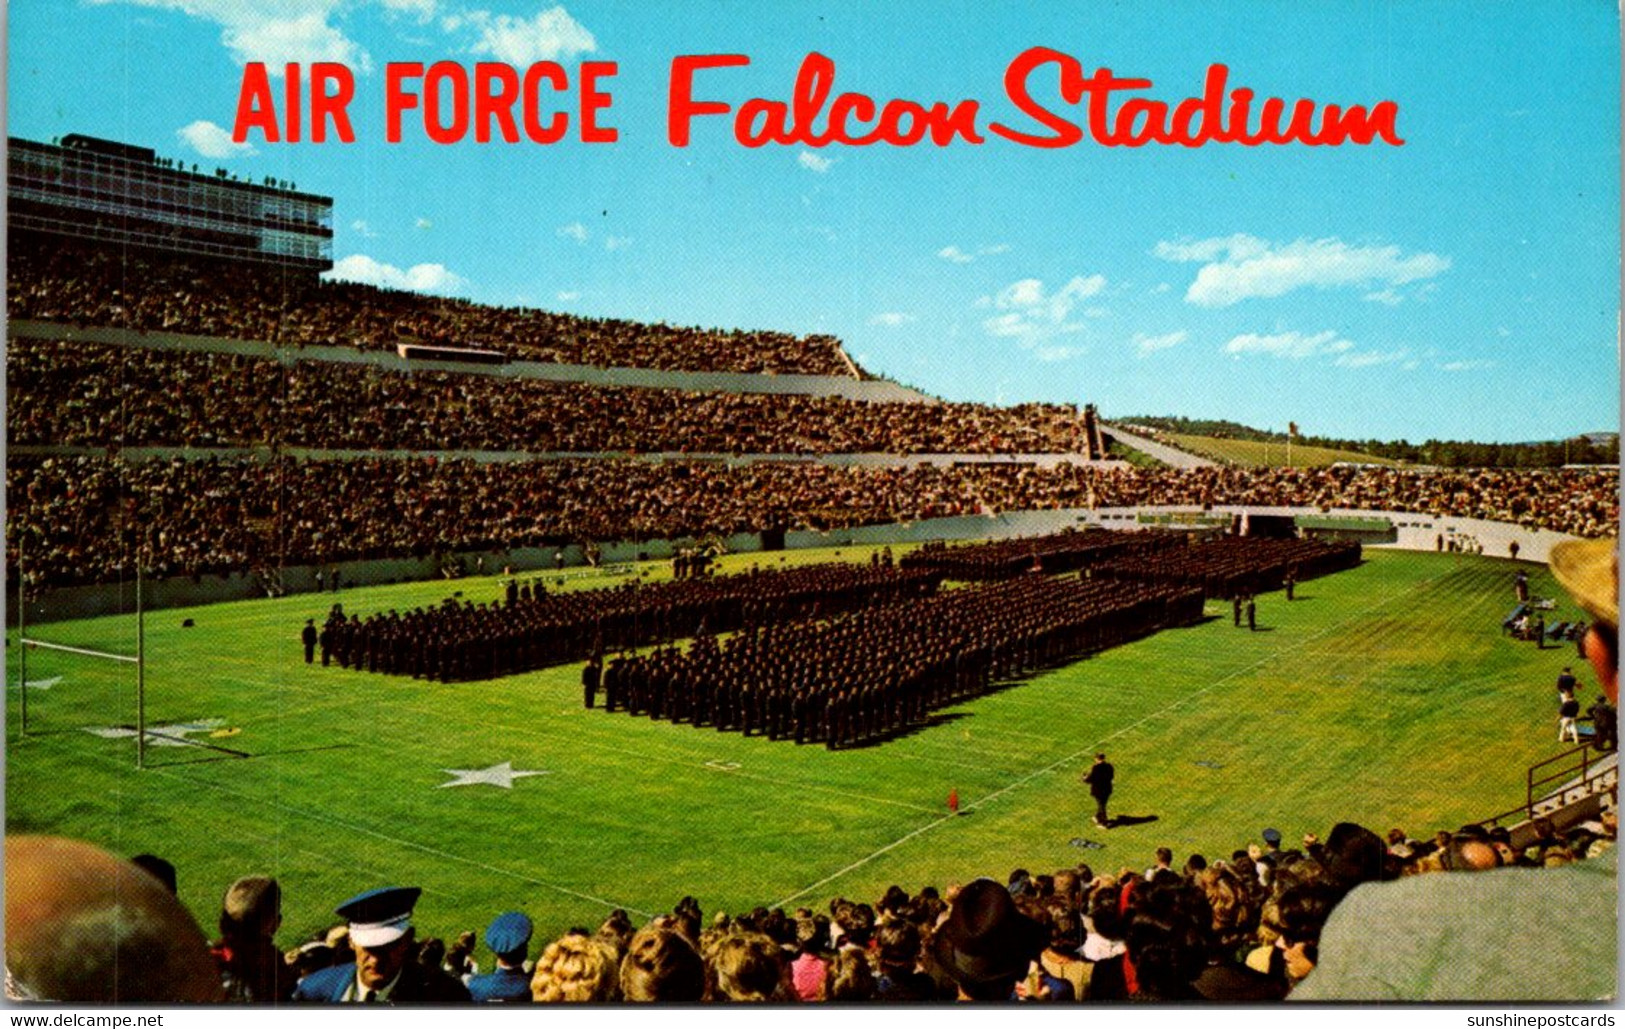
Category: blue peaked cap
[508,932]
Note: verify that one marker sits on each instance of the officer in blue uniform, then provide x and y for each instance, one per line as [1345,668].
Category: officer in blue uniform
[509,939]
[385,970]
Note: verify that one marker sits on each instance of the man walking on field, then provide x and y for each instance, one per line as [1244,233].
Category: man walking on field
[1099,779]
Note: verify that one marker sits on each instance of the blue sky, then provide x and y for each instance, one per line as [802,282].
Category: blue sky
[1463,285]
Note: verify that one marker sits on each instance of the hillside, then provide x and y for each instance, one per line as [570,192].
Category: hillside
[1260,454]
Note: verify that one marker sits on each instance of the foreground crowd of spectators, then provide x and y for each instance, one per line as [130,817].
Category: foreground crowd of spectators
[83,519]
[88,394]
[1244,926]
[88,285]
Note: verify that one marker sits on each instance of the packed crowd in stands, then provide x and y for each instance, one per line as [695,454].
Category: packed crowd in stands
[83,519]
[97,395]
[1238,927]
[85,285]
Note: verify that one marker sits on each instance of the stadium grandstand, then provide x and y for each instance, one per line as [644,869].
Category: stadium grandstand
[190,401]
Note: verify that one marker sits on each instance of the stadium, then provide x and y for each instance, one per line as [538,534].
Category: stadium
[739,670]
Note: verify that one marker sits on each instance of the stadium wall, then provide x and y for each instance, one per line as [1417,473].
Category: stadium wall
[1411,532]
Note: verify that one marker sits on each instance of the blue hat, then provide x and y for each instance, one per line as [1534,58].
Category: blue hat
[1272,837]
[379,917]
[508,932]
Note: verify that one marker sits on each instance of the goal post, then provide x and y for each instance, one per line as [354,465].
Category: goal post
[25,643]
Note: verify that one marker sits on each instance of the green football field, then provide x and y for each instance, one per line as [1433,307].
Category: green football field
[1385,695]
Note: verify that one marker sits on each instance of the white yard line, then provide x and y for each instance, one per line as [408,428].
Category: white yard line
[401,842]
[1095,746]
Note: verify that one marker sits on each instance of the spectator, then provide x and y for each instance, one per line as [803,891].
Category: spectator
[660,965]
[251,968]
[577,969]
[380,924]
[508,936]
[850,979]
[86,927]
[986,944]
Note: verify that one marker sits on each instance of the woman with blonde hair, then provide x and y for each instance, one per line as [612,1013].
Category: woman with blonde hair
[576,969]
[661,965]
[749,968]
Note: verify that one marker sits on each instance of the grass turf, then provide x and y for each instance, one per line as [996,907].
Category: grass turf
[1384,695]
[1255,454]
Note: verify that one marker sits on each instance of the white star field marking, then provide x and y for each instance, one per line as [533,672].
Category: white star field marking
[501,775]
[173,735]
[41,684]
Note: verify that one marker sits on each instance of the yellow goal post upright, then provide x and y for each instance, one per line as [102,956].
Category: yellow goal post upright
[25,643]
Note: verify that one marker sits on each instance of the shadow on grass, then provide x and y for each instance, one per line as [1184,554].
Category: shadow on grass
[227,754]
[902,731]
[1118,821]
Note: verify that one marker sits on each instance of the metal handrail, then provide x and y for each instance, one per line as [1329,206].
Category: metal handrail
[1583,769]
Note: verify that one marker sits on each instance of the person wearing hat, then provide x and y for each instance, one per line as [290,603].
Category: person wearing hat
[1444,937]
[509,939]
[986,945]
[380,923]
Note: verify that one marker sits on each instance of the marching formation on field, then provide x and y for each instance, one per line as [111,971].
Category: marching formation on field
[836,653]
[531,628]
[864,676]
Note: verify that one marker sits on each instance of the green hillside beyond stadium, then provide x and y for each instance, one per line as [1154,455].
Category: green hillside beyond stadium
[1385,695]
[1258,454]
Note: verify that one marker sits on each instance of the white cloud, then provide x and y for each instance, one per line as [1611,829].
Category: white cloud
[274,31]
[1162,287]
[282,31]
[1050,353]
[891,319]
[420,278]
[1239,247]
[211,140]
[1385,296]
[617,242]
[1466,366]
[361,228]
[567,295]
[575,231]
[305,39]
[1294,345]
[1239,267]
[423,10]
[1151,344]
[1370,358]
[550,36]
[1032,313]
[423,224]
[812,162]
[958,256]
